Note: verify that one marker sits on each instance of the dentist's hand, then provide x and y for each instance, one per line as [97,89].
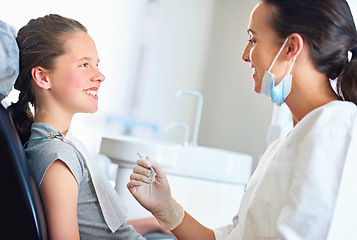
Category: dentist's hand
[151,195]
[155,196]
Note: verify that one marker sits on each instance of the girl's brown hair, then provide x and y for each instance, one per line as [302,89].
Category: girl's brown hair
[40,42]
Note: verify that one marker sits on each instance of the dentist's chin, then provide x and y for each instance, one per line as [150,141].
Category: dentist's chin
[257,83]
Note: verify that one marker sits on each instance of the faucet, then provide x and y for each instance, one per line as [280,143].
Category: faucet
[199,111]
[180,124]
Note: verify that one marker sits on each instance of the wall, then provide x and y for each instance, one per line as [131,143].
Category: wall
[172,57]
[234,116]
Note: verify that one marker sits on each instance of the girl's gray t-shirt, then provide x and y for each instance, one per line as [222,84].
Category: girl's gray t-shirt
[42,153]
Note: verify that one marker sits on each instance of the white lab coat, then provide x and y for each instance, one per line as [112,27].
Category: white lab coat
[305,184]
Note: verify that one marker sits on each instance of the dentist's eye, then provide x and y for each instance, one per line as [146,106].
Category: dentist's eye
[252,41]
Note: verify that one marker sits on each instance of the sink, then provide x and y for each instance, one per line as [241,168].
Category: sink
[123,150]
[199,162]
[212,164]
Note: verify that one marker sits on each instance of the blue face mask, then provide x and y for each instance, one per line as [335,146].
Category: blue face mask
[277,93]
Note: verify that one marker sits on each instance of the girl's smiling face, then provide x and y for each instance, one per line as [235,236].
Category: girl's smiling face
[76,79]
[262,47]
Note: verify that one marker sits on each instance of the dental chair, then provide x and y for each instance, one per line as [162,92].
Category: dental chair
[21,211]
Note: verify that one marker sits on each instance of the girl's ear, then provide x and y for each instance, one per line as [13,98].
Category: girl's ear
[40,76]
[296,44]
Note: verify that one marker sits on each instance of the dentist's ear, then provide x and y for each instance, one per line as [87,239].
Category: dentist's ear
[40,76]
[295,46]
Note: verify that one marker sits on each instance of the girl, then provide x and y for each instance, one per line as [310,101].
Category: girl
[303,187]
[59,76]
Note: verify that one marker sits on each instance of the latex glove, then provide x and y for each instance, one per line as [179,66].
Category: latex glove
[155,196]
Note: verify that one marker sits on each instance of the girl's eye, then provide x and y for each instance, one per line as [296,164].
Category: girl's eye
[84,65]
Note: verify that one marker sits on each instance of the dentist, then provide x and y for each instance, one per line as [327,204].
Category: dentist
[303,187]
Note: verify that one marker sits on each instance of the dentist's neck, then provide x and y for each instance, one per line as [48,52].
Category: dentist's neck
[309,91]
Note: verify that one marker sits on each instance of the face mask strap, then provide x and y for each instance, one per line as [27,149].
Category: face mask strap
[292,65]
[276,58]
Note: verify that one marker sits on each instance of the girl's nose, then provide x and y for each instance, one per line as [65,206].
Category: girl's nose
[99,77]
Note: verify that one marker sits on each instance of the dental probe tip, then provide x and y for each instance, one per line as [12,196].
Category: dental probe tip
[152,174]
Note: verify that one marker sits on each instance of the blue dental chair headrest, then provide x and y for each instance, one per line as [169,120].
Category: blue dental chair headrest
[9,59]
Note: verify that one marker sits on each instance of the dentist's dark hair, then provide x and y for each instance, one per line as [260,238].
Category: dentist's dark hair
[40,42]
[328,28]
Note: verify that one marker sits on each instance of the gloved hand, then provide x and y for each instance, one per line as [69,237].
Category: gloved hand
[155,196]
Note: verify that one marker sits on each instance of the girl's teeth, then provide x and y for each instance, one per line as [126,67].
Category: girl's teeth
[91,92]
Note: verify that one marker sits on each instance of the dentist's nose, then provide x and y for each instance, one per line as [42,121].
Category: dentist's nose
[246,53]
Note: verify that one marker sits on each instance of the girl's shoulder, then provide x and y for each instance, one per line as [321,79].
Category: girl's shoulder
[47,143]
[45,148]
[42,153]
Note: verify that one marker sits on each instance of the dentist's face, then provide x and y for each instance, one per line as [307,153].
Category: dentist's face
[263,45]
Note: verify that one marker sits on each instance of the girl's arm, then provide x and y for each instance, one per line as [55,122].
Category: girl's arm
[59,193]
[146,225]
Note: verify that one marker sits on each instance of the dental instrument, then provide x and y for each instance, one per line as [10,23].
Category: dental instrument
[152,173]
